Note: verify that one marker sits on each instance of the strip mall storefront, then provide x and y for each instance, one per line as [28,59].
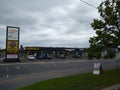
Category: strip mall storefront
[56,52]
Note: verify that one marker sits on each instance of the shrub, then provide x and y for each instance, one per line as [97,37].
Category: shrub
[98,55]
[90,55]
[106,56]
[111,55]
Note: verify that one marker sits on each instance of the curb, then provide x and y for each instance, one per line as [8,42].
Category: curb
[114,87]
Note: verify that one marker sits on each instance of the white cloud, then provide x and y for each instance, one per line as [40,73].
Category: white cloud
[49,22]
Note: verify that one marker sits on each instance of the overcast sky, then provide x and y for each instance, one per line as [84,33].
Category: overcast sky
[49,23]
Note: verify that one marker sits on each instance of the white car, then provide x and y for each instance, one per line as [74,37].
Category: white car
[31,57]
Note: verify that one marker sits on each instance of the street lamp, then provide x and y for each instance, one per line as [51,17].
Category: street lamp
[118,53]
[119,48]
[117,59]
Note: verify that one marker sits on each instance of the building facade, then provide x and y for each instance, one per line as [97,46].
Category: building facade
[55,52]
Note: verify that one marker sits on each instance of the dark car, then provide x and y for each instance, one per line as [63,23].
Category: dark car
[48,56]
[41,57]
[44,56]
[61,56]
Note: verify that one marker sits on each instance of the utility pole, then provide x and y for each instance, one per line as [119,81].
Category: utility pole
[117,64]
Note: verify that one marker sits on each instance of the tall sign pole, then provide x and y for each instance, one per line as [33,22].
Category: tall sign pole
[12,43]
[117,64]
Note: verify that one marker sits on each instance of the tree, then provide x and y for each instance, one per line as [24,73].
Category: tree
[108,28]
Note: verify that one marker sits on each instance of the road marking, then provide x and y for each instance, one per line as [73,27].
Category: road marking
[7,76]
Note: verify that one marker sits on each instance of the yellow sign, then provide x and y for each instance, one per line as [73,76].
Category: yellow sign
[12,46]
[12,43]
[32,48]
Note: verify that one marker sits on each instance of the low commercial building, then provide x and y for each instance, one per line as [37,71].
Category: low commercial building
[55,52]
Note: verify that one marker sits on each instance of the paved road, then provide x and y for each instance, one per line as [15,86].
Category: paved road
[14,75]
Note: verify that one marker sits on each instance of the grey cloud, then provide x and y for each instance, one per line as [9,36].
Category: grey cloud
[59,43]
[31,5]
[18,20]
[48,22]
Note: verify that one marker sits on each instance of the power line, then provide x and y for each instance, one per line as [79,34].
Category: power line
[89,4]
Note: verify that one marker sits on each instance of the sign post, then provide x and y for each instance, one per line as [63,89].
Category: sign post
[97,69]
[12,44]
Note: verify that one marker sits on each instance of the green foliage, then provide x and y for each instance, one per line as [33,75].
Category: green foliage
[111,55]
[90,55]
[108,28]
[106,56]
[98,55]
[1,50]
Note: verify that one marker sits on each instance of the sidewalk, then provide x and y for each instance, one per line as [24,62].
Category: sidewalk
[114,87]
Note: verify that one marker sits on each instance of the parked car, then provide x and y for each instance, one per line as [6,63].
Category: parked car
[48,56]
[44,56]
[31,57]
[77,55]
[62,56]
[40,57]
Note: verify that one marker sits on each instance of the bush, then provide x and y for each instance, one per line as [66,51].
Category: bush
[98,55]
[106,56]
[90,56]
[111,55]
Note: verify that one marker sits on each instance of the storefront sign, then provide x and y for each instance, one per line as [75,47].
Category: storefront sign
[12,43]
[12,56]
[32,48]
[13,33]
[97,69]
[12,46]
[69,49]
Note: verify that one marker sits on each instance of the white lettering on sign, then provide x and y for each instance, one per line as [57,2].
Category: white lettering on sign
[12,56]
[12,33]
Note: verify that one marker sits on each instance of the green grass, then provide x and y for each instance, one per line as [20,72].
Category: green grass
[78,82]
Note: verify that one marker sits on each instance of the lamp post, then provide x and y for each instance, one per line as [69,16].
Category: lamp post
[117,56]
[117,66]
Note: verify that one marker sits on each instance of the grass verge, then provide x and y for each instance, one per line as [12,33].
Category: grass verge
[78,82]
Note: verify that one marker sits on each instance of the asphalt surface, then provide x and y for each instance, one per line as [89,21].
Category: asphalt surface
[15,75]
